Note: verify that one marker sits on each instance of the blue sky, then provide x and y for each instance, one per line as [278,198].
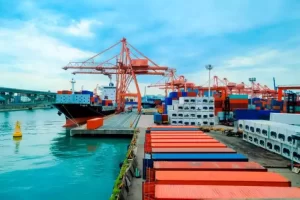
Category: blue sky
[240,39]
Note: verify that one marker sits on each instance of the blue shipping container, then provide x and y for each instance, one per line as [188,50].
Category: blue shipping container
[253,114]
[157,118]
[173,94]
[184,94]
[168,101]
[199,156]
[238,96]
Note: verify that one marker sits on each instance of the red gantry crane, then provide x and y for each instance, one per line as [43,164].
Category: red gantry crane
[126,70]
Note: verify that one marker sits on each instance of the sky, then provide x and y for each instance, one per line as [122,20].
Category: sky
[241,39]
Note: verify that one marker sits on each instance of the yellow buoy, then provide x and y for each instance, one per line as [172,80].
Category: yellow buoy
[17,132]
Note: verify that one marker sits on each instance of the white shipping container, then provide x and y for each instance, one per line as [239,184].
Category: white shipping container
[211,122]
[170,107]
[205,100]
[186,107]
[245,136]
[193,122]
[193,107]
[192,100]
[180,114]
[174,121]
[261,141]
[285,118]
[199,122]
[186,115]
[205,115]
[205,122]
[198,100]
[286,151]
[240,124]
[198,107]
[184,100]
[186,122]
[274,146]
[199,115]
[180,122]
[250,138]
[211,101]
[193,115]
[205,108]
[180,107]
[172,114]
[211,114]
[174,102]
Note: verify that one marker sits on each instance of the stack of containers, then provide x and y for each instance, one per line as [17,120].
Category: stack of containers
[181,162]
[273,136]
[192,111]
[218,105]
[238,101]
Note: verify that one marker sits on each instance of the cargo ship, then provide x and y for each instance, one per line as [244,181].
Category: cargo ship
[78,107]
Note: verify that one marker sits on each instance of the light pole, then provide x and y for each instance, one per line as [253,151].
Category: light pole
[252,80]
[209,68]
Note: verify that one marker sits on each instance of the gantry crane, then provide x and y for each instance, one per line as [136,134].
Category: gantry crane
[173,82]
[126,70]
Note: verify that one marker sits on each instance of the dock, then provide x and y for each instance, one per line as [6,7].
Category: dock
[121,125]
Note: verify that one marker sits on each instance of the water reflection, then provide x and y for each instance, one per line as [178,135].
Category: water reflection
[17,141]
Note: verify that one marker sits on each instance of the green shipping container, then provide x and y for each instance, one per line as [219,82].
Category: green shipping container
[297,108]
[238,96]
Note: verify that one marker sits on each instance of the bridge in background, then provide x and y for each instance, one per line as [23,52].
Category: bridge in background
[14,99]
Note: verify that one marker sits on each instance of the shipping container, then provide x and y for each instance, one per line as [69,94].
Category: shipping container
[152,191]
[238,96]
[188,145]
[240,178]
[192,150]
[199,156]
[285,118]
[157,118]
[179,140]
[173,136]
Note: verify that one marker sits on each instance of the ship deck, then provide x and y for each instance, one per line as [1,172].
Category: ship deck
[121,125]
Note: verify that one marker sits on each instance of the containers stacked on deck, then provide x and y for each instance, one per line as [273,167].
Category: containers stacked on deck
[273,136]
[249,114]
[238,101]
[192,111]
[181,162]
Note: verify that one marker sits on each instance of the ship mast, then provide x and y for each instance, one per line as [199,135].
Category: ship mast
[73,83]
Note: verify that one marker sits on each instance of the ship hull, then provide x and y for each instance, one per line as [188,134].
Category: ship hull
[80,113]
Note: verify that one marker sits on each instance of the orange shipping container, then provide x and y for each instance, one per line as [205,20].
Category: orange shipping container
[183,141]
[239,101]
[170,126]
[221,178]
[94,123]
[178,132]
[188,145]
[201,166]
[151,191]
[178,136]
[59,92]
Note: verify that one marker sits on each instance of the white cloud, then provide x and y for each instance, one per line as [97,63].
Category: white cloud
[32,60]
[256,58]
[283,64]
[81,28]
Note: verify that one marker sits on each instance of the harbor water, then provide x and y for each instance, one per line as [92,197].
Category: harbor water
[48,164]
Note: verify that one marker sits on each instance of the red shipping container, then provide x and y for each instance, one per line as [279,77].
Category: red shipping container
[221,178]
[94,123]
[179,94]
[152,191]
[191,94]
